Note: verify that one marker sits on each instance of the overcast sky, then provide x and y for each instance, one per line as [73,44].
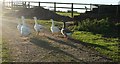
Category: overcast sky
[78,1]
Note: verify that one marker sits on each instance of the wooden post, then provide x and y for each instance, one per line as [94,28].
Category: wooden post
[11,4]
[28,4]
[54,6]
[25,5]
[117,11]
[3,5]
[72,10]
[98,10]
[90,7]
[85,8]
[39,4]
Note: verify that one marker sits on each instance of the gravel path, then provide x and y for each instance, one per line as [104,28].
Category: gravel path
[46,48]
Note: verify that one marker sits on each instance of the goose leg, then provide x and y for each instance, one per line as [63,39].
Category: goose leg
[37,33]
[28,39]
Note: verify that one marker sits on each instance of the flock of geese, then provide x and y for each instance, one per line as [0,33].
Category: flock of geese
[25,31]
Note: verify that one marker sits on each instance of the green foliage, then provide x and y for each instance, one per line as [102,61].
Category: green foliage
[102,26]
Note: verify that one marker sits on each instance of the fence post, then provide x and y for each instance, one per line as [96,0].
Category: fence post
[39,4]
[54,6]
[117,11]
[90,7]
[11,4]
[28,4]
[25,5]
[72,10]
[98,10]
[3,5]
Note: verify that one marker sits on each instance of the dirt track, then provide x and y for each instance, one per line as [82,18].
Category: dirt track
[45,48]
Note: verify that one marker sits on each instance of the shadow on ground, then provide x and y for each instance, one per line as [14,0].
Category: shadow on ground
[47,45]
[92,45]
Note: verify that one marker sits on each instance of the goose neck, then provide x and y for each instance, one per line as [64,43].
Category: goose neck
[52,23]
[64,25]
[35,19]
[23,21]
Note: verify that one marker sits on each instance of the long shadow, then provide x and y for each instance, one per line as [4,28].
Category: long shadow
[46,45]
[62,42]
[91,45]
[65,43]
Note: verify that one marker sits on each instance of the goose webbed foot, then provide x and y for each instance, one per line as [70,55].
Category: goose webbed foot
[66,37]
[25,39]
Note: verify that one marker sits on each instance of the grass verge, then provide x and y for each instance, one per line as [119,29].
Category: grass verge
[106,46]
[5,51]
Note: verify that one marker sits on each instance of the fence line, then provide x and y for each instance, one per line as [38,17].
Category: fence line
[27,4]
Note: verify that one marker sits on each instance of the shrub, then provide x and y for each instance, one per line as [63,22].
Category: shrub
[97,26]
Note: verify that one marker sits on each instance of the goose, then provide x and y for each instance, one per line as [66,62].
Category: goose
[19,25]
[25,30]
[38,28]
[65,32]
[54,29]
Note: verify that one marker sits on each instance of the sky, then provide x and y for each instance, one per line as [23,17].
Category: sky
[78,1]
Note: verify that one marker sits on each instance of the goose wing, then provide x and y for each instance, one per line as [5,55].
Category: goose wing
[25,31]
[38,27]
[19,27]
[55,29]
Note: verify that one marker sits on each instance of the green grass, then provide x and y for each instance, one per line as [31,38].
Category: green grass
[67,14]
[0,49]
[5,51]
[106,46]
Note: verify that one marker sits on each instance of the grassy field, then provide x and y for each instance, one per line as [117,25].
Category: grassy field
[0,49]
[5,51]
[67,14]
[106,46]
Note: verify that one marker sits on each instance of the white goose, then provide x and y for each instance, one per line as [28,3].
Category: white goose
[25,30]
[38,28]
[19,25]
[53,28]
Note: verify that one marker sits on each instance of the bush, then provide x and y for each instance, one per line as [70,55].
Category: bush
[97,26]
